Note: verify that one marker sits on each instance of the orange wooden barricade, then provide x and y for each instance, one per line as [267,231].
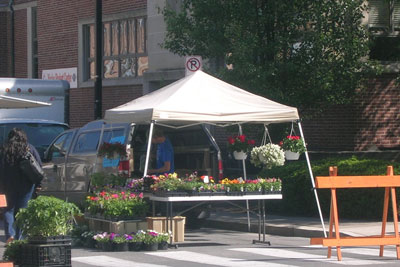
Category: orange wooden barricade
[333,182]
[3,203]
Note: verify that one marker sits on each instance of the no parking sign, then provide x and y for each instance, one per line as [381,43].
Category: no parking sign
[193,64]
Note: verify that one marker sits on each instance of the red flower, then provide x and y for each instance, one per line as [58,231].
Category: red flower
[251,142]
[242,138]
[231,140]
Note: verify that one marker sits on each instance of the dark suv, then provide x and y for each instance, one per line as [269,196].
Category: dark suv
[40,132]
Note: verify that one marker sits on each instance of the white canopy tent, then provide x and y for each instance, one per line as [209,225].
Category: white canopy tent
[203,99]
[13,102]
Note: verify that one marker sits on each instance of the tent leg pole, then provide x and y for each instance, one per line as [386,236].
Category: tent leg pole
[146,165]
[245,178]
[312,179]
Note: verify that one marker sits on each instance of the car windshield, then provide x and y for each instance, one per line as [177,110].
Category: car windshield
[39,135]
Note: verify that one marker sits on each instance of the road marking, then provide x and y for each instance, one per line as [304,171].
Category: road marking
[106,261]
[287,254]
[213,260]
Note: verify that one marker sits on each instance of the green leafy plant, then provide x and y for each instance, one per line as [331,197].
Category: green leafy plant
[102,237]
[163,237]
[139,236]
[150,237]
[119,239]
[100,180]
[13,250]
[293,143]
[47,216]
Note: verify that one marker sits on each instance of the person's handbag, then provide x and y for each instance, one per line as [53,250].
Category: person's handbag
[31,168]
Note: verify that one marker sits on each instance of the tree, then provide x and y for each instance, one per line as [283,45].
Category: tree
[304,53]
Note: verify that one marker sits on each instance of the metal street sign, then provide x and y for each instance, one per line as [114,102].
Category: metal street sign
[193,64]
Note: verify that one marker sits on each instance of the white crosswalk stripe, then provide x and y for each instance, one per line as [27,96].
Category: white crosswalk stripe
[213,260]
[268,256]
[288,254]
[106,261]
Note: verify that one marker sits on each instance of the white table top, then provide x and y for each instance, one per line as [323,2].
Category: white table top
[214,198]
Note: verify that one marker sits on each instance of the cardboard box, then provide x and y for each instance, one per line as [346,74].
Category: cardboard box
[159,224]
[119,227]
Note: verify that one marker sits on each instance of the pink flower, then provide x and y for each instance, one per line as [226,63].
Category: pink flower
[242,138]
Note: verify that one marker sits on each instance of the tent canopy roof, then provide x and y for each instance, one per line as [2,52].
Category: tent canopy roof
[201,98]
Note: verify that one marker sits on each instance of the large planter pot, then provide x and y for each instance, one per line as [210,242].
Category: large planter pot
[106,246]
[163,245]
[289,155]
[121,247]
[151,247]
[239,155]
[135,246]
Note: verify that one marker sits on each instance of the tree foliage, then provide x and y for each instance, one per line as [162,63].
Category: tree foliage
[304,53]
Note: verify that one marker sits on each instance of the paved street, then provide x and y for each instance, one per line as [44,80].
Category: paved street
[211,247]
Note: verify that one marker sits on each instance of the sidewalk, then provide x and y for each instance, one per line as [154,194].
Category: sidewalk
[294,226]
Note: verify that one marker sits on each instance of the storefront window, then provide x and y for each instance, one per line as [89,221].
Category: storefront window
[124,49]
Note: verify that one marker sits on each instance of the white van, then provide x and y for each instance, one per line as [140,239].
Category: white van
[55,92]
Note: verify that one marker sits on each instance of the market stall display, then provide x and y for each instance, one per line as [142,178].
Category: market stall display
[203,99]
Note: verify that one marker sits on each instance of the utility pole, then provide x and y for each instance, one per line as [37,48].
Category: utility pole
[98,82]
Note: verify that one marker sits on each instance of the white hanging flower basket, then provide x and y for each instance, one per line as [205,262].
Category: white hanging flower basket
[267,156]
[239,155]
[289,155]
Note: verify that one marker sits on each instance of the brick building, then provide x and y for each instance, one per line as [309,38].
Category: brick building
[60,34]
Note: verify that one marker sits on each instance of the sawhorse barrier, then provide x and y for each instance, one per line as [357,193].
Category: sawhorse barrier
[333,182]
[3,204]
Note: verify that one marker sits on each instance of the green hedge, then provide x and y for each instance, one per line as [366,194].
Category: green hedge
[298,197]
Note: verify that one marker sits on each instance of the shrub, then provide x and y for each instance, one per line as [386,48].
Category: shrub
[298,197]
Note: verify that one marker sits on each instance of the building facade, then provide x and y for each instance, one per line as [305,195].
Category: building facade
[50,35]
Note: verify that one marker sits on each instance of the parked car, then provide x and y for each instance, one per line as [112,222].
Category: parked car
[40,133]
[73,156]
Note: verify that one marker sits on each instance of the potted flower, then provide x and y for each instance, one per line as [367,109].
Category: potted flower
[150,240]
[46,221]
[112,150]
[267,156]
[253,187]
[136,243]
[163,239]
[293,146]
[120,242]
[103,241]
[240,145]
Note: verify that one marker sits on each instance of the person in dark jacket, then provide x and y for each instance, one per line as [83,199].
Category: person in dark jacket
[17,187]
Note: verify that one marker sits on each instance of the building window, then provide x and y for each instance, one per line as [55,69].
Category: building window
[124,49]
[384,15]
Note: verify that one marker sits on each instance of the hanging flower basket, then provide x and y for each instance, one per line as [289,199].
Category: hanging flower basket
[267,156]
[289,155]
[239,155]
